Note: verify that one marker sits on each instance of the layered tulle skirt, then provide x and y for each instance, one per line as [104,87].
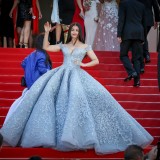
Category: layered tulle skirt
[67,109]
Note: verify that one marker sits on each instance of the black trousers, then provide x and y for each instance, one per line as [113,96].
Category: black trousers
[158,45]
[145,46]
[66,11]
[137,51]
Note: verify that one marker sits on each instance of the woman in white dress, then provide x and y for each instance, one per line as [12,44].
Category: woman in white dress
[91,14]
[55,12]
[106,34]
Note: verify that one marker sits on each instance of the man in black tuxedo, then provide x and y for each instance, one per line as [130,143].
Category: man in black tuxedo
[1,140]
[158,49]
[131,34]
[158,46]
[152,19]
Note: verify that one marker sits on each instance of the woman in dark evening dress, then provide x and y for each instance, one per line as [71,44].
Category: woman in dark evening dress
[66,11]
[7,23]
[25,16]
[20,21]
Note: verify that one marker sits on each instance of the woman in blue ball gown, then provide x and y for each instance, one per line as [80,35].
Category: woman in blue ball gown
[67,109]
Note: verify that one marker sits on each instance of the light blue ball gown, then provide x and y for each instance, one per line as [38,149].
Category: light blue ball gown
[67,109]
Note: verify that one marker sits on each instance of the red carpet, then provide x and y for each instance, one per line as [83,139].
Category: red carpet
[142,103]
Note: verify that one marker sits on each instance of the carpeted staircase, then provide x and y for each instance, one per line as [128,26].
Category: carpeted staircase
[142,103]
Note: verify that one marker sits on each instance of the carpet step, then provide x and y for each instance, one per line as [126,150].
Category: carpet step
[154,131]
[148,105]
[11,86]
[144,113]
[117,96]
[2,118]
[50,153]
[111,88]
[59,58]
[102,66]
[135,113]
[140,105]
[12,56]
[120,74]
[146,122]
[130,89]
[95,73]
[10,94]
[20,57]
[137,97]
[10,64]
[116,60]
[120,82]
[125,104]
[7,74]
[18,51]
[123,88]
[15,51]
[11,78]
[119,67]
[6,102]
[47,153]
[4,111]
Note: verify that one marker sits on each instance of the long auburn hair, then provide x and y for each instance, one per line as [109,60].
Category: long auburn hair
[80,35]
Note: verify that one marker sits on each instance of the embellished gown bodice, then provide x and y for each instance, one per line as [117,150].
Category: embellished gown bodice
[71,56]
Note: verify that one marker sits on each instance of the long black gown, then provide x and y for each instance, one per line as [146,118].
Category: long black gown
[24,8]
[7,27]
[66,11]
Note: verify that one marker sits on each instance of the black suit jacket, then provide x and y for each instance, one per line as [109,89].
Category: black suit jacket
[150,6]
[131,22]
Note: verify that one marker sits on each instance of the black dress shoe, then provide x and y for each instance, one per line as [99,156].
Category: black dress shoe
[58,42]
[133,75]
[23,46]
[147,59]
[136,84]
[142,70]
[18,46]
[136,81]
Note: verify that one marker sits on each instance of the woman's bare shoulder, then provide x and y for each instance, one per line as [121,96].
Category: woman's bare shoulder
[83,45]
